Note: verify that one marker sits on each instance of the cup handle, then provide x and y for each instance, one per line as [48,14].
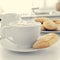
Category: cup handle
[0,37]
[0,29]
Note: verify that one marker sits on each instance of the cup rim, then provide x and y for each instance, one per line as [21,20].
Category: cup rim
[37,24]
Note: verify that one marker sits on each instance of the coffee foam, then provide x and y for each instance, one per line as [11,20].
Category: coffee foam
[24,23]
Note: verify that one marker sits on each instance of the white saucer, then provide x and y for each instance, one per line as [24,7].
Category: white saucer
[12,47]
[58,32]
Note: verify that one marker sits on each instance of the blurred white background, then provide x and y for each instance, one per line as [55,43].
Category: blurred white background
[20,6]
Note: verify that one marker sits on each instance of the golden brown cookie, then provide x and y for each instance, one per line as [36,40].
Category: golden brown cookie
[58,27]
[57,21]
[50,25]
[45,41]
[41,20]
[42,27]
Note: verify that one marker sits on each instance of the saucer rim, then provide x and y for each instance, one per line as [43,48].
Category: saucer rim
[15,50]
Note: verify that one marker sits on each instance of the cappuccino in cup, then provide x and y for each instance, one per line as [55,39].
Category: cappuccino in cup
[22,33]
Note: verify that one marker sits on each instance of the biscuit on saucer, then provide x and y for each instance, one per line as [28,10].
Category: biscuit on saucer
[41,20]
[56,21]
[58,27]
[45,41]
[42,27]
[50,25]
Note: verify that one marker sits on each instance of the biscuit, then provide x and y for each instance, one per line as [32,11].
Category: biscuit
[45,41]
[50,25]
[42,27]
[41,20]
[56,21]
[58,27]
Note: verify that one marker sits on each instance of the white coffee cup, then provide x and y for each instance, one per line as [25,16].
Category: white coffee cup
[24,36]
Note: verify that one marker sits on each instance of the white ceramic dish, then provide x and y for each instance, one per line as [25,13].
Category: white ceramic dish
[12,47]
[58,32]
[6,44]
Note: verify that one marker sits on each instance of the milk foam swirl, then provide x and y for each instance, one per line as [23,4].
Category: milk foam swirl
[24,23]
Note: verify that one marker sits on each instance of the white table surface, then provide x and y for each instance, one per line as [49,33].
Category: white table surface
[52,53]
